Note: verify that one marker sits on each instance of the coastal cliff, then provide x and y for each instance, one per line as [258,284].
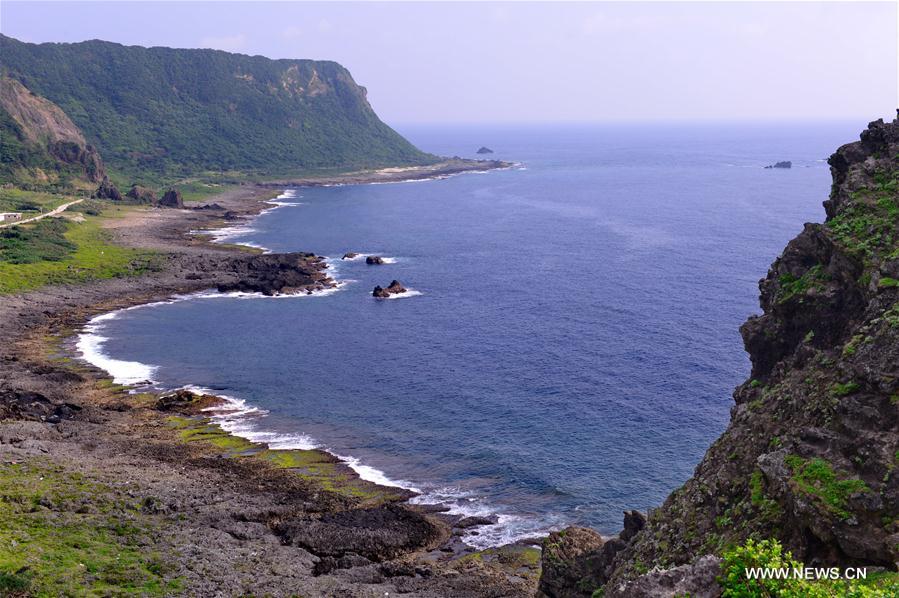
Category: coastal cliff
[164,111]
[810,454]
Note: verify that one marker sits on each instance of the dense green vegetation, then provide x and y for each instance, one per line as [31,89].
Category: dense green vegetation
[45,240]
[770,554]
[53,251]
[62,534]
[177,112]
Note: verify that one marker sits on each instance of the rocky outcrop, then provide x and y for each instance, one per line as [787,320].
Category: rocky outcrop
[350,255]
[171,199]
[784,164]
[566,569]
[361,535]
[698,580]
[485,150]
[142,194]
[810,455]
[107,190]
[273,274]
[45,145]
[594,560]
[374,260]
[395,288]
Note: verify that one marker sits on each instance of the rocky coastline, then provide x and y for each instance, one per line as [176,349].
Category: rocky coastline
[229,507]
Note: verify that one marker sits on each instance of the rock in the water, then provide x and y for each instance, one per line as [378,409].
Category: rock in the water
[485,150]
[350,255]
[784,164]
[142,194]
[277,273]
[107,190]
[374,260]
[171,199]
[395,288]
[187,402]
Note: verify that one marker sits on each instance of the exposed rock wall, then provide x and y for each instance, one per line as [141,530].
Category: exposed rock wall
[44,127]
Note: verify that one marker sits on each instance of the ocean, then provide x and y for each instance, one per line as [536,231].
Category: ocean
[570,344]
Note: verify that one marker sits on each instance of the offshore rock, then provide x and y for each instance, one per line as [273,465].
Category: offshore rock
[485,150]
[395,288]
[374,260]
[784,164]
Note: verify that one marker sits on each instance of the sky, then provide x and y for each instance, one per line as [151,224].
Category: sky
[508,62]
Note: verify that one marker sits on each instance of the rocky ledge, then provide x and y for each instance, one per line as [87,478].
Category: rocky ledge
[275,274]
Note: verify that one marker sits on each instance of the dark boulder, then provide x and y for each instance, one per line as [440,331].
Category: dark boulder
[23,404]
[142,194]
[634,521]
[374,260]
[475,521]
[395,288]
[350,255]
[784,164]
[171,199]
[107,190]
[485,150]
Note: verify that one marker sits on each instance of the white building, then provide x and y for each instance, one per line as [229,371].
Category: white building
[10,216]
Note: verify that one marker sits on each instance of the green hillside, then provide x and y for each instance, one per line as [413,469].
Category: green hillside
[177,112]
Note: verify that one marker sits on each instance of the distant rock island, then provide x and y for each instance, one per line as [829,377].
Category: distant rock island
[784,164]
[485,150]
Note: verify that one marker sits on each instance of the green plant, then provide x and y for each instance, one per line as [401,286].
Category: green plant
[844,389]
[817,478]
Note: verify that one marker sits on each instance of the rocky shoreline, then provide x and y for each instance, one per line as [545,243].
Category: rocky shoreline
[238,514]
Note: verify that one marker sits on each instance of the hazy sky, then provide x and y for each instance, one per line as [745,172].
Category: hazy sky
[514,62]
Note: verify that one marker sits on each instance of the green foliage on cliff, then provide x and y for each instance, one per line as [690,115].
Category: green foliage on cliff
[816,477]
[163,110]
[769,554]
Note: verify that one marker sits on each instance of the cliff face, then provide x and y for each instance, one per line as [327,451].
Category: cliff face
[811,451]
[40,142]
[175,111]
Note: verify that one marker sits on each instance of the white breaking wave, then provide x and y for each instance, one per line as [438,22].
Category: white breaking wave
[90,344]
[407,294]
[508,528]
[226,234]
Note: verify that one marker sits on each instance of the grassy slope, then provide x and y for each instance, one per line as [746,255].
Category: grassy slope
[92,257]
[62,533]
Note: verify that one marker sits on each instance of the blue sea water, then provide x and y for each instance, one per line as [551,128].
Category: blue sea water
[574,345]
